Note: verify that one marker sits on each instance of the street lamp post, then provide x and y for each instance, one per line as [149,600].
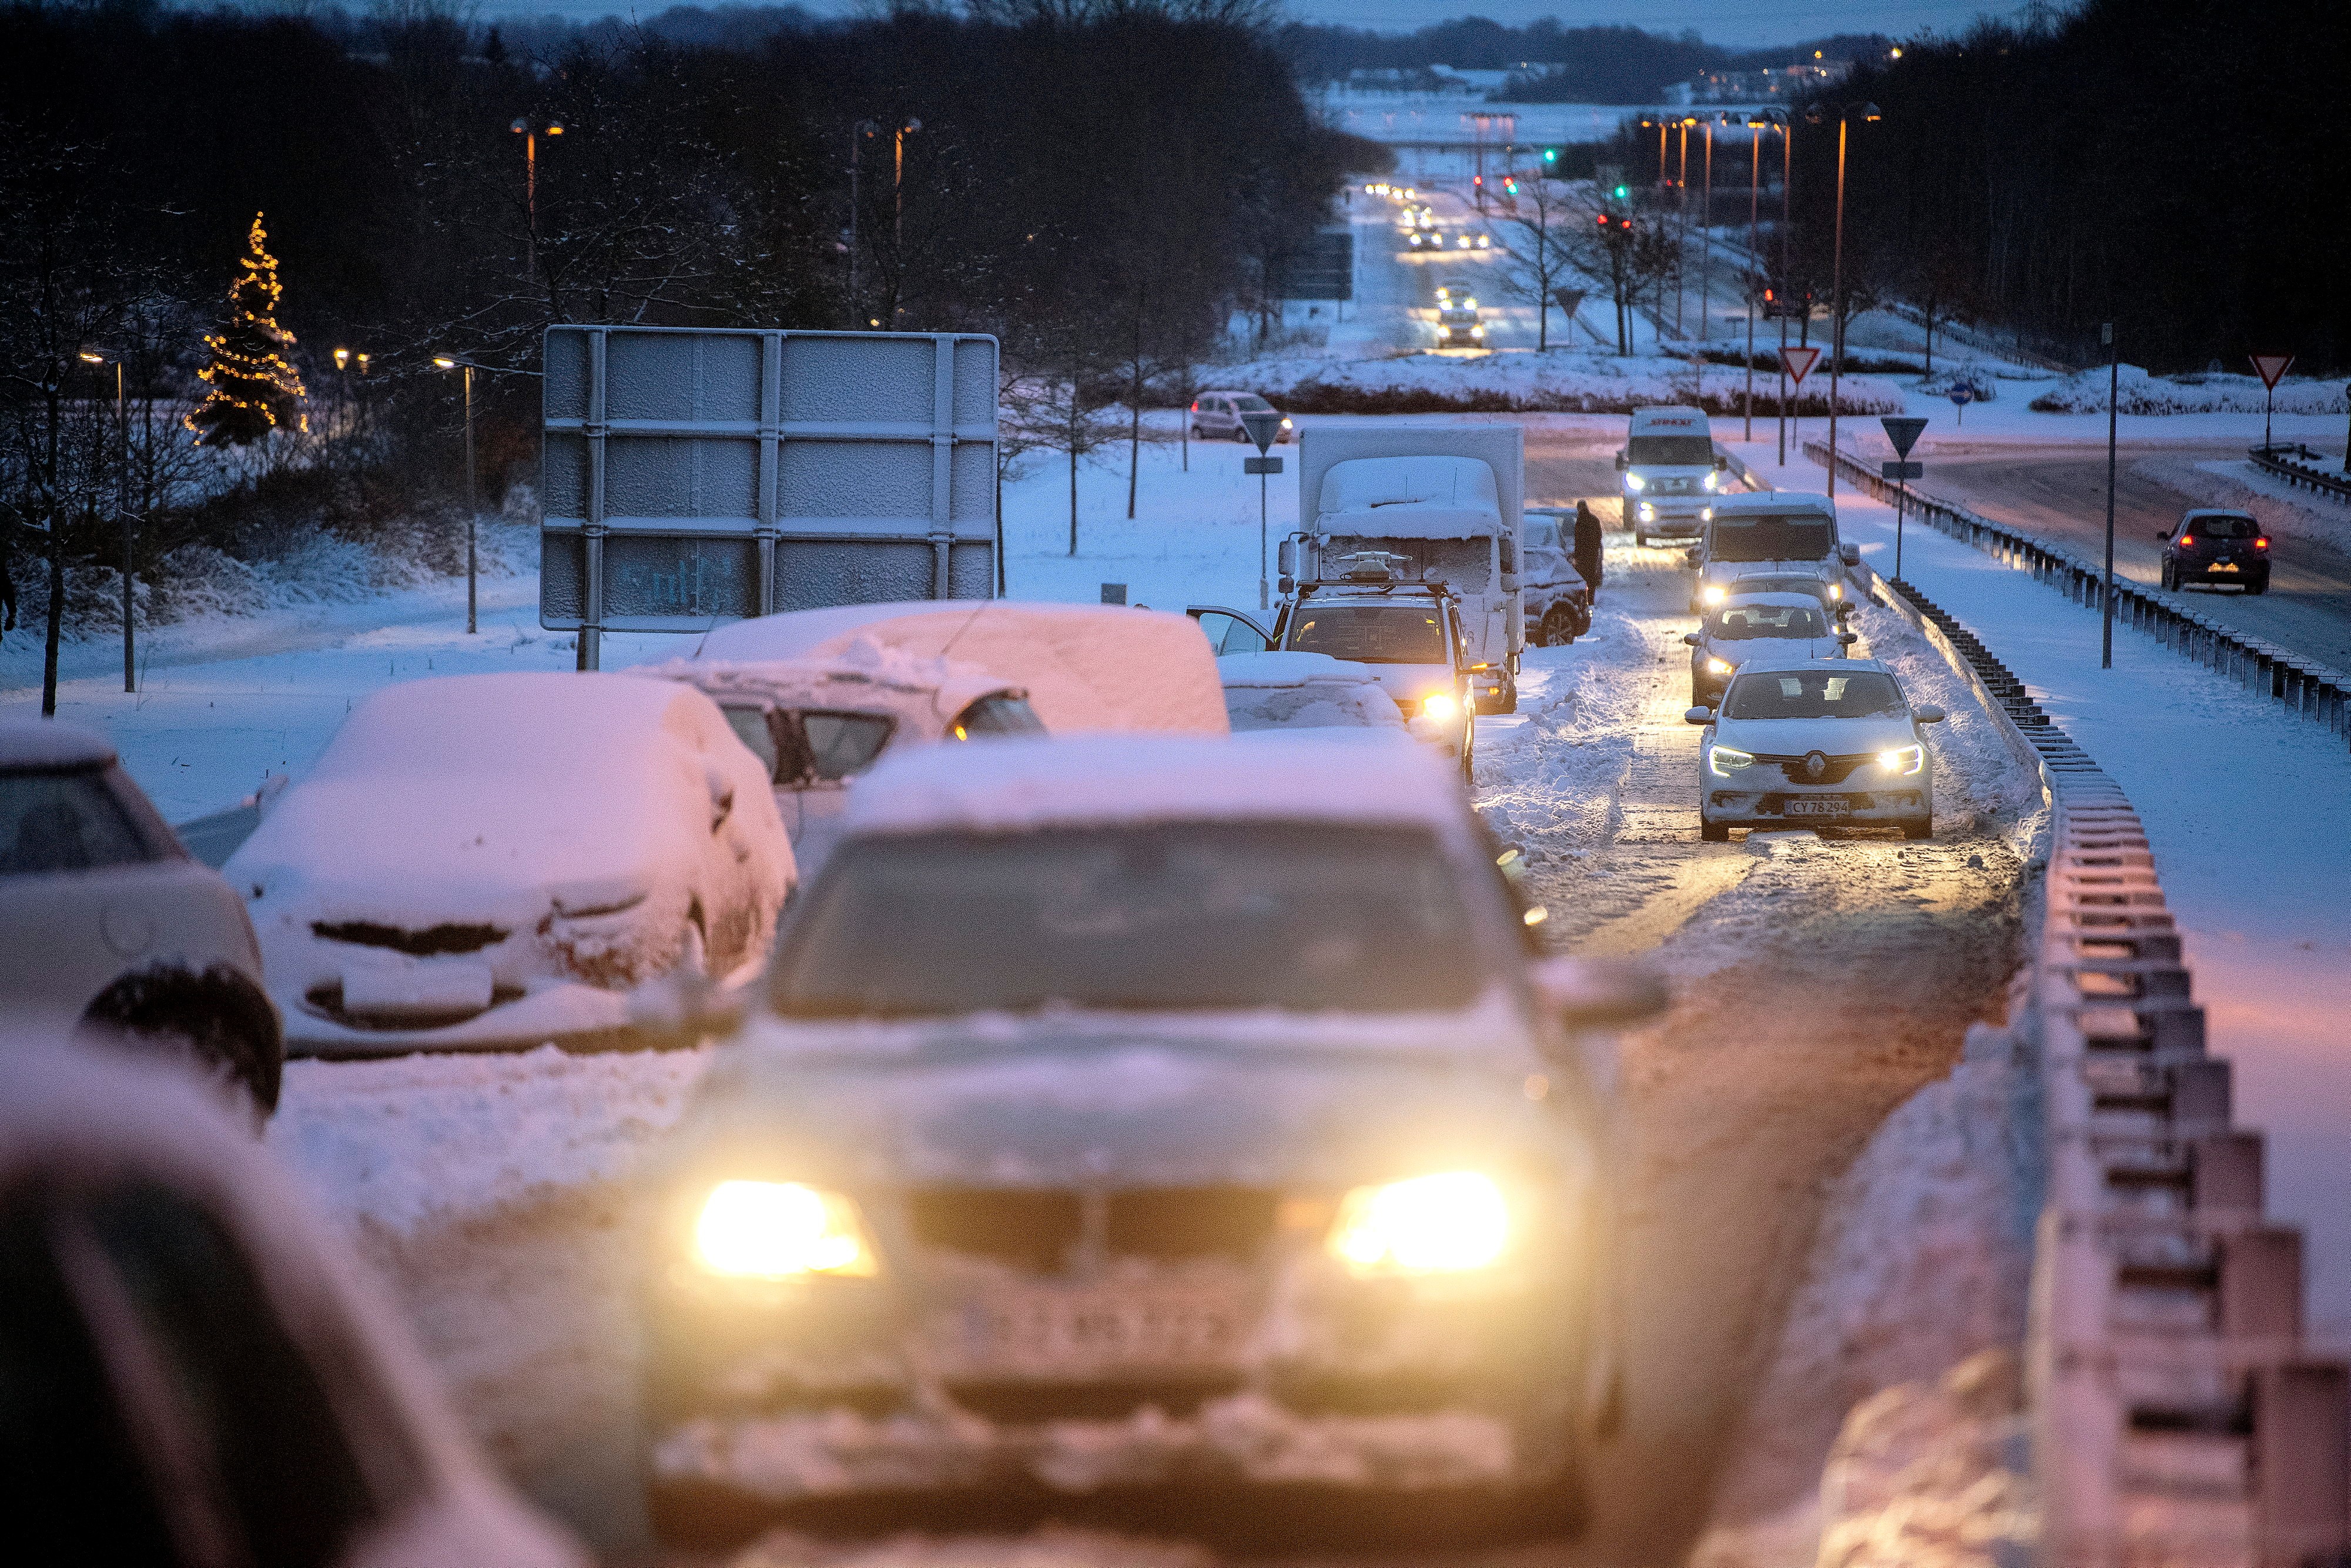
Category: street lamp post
[1705,236]
[1755,124]
[1681,222]
[530,131]
[473,508]
[121,510]
[1845,114]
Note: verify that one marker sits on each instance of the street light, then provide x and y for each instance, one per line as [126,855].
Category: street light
[1845,114]
[473,506]
[530,131]
[1774,120]
[122,505]
[866,130]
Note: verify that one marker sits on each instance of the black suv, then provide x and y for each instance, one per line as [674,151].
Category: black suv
[2217,546]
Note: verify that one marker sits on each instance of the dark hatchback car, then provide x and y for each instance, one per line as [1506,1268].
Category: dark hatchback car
[2217,548]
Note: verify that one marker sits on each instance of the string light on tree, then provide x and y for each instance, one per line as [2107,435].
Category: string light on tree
[254,389]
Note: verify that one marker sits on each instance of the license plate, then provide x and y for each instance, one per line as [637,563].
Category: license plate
[1834,805]
[1065,1333]
[2224,566]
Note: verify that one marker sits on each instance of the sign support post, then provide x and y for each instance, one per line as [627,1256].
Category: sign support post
[2106,594]
[1262,425]
[2271,369]
[1902,430]
[1796,364]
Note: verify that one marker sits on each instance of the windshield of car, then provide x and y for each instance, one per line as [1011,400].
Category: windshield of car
[1543,534]
[1769,538]
[2223,528]
[1670,452]
[70,820]
[1000,714]
[1249,402]
[1802,694]
[1735,622]
[1158,917]
[1411,633]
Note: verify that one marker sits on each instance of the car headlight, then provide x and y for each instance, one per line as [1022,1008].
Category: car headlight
[1706,514]
[1904,760]
[1713,593]
[1718,667]
[1442,706]
[1723,761]
[1634,482]
[780,1230]
[1443,1224]
[1836,590]
[1476,332]
[1648,513]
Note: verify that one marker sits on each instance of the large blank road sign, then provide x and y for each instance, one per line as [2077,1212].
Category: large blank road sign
[693,476]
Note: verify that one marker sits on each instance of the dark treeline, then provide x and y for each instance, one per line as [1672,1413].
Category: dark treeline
[1102,185]
[1554,63]
[2167,164]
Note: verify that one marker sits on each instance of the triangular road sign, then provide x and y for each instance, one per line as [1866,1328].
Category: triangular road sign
[2272,368]
[1800,361]
[1902,429]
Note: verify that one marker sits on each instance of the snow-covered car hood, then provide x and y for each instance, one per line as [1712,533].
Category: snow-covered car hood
[1739,649]
[1095,1099]
[1724,572]
[1831,736]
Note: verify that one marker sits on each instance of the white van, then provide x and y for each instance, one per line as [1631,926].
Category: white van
[1671,472]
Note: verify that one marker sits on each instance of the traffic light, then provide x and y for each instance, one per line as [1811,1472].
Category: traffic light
[1551,156]
[1509,187]
[1622,194]
[1476,178]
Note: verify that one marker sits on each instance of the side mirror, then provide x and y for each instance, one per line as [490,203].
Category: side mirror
[1620,462]
[1847,638]
[1697,715]
[1589,993]
[1849,554]
[1285,584]
[1689,558]
[1721,463]
[1930,714]
[1690,638]
[1285,560]
[2163,535]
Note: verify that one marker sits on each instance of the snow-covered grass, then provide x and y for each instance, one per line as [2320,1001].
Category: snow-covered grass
[2283,509]
[2201,393]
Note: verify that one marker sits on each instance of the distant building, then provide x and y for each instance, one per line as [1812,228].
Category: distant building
[1789,82]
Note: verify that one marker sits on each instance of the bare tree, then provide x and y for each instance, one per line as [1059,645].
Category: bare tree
[1543,226]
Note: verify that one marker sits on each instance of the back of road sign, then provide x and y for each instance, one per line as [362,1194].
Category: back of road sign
[696,474]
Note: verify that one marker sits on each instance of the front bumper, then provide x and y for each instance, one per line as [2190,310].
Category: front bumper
[853,1389]
[1792,806]
[1667,517]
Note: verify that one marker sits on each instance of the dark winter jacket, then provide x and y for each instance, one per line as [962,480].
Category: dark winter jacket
[1587,545]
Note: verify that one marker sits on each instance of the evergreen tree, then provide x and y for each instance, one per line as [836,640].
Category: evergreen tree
[255,390]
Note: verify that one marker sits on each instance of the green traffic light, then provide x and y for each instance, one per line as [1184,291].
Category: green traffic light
[1622,192]
[1551,154]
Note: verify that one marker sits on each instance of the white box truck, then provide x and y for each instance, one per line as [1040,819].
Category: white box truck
[1448,499]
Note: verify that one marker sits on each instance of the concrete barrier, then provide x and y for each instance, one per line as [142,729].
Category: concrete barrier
[2177,1419]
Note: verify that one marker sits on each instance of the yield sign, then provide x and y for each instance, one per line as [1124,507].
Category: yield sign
[1903,431]
[1800,361]
[2270,368]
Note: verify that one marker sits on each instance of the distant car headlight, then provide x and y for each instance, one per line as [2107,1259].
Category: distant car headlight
[1902,760]
[1443,1224]
[780,1230]
[1707,483]
[1718,667]
[1634,482]
[1285,424]
[1476,332]
[1723,761]
[1441,705]
[1713,593]
[1706,514]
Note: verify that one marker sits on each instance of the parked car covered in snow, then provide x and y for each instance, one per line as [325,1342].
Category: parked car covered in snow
[107,924]
[1139,1110]
[1558,601]
[1084,666]
[816,724]
[197,1371]
[489,862]
[1274,691]
[1774,626]
[1797,743]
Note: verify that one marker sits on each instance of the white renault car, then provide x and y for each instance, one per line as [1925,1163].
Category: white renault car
[1137,1112]
[1801,743]
[1771,626]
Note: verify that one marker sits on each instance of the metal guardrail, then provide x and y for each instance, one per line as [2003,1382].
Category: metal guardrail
[2299,466]
[2313,691]
[2176,1419]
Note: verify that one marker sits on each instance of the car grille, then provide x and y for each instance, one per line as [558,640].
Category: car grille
[1041,1230]
[432,942]
[1838,769]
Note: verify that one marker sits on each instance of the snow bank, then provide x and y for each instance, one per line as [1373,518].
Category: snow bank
[1009,785]
[1562,381]
[1086,667]
[1934,1475]
[2206,392]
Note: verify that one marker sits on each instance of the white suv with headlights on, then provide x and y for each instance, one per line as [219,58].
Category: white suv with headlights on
[1140,1110]
[1801,743]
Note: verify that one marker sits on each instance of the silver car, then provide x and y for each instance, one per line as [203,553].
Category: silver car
[1751,626]
[1799,744]
[1217,416]
[105,923]
[1143,1111]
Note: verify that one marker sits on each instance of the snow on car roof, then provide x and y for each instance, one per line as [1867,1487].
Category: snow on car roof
[1085,666]
[1773,501]
[1793,659]
[888,679]
[1009,785]
[1285,667]
[1774,598]
[46,743]
[1425,483]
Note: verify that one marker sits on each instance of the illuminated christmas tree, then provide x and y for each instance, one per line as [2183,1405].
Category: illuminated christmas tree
[255,390]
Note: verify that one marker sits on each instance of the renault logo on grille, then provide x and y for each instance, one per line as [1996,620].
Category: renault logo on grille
[1816,767]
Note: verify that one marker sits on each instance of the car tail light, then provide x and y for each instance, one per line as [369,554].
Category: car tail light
[2260,544]
[2188,541]
[1195,406]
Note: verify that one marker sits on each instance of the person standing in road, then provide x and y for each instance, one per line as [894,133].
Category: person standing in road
[1587,547]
